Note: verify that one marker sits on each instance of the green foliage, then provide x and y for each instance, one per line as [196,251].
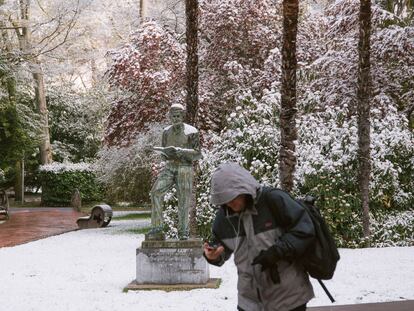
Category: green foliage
[58,186]
[76,122]
[143,230]
[20,125]
[131,186]
[338,201]
[126,172]
[133,216]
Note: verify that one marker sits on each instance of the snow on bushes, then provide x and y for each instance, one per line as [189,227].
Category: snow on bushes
[59,180]
[239,100]
[394,229]
[238,54]
[126,171]
[327,158]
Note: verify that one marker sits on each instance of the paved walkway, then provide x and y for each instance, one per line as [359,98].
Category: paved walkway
[404,305]
[30,224]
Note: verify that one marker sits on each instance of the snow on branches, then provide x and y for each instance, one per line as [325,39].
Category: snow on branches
[239,100]
[239,53]
[149,71]
[330,78]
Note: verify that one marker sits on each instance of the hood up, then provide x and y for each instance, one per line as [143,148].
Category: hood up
[230,180]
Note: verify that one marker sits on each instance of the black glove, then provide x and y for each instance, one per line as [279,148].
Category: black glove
[267,258]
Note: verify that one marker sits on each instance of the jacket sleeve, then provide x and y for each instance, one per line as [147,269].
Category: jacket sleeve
[215,239]
[298,228]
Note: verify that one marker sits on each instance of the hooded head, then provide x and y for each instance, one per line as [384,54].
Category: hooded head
[229,180]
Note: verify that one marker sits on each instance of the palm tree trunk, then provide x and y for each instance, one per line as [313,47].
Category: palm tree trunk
[191,11]
[363,107]
[288,132]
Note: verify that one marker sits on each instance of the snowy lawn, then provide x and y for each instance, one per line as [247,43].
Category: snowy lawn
[88,269]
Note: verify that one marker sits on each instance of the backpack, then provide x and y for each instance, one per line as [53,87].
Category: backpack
[321,257]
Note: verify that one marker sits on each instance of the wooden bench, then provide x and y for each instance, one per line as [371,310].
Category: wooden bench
[4,205]
[100,217]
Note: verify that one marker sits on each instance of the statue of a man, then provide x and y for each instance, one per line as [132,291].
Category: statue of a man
[180,147]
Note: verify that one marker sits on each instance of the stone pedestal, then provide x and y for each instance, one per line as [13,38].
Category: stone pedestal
[171,262]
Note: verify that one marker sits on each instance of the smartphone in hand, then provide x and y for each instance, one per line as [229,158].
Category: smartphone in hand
[212,246]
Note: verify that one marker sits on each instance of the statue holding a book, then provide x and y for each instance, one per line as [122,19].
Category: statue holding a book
[180,148]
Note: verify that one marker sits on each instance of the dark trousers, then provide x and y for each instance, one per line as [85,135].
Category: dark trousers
[300,308]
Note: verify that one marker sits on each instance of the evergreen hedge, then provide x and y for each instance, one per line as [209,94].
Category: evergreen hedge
[60,180]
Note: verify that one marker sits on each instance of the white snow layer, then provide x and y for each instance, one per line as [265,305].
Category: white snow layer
[88,269]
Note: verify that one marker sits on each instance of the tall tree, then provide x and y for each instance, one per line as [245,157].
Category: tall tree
[363,108]
[23,32]
[288,131]
[38,34]
[11,90]
[191,12]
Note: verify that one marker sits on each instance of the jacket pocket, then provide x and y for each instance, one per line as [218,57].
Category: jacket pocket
[246,287]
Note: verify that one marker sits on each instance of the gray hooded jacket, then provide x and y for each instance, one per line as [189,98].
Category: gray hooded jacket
[273,218]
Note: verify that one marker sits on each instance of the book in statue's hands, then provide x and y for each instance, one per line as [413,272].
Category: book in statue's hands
[169,151]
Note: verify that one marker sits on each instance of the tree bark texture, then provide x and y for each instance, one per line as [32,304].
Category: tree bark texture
[45,148]
[363,108]
[191,10]
[288,132]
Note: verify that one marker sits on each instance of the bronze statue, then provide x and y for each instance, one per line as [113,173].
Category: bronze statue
[180,147]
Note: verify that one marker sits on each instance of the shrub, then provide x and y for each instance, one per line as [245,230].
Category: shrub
[394,229]
[149,72]
[126,172]
[76,122]
[59,180]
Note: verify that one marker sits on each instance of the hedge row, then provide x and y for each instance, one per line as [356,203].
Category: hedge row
[59,181]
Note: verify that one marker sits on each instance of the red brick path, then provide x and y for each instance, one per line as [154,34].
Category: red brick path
[32,224]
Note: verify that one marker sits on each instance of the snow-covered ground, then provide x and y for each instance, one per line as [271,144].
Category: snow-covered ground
[87,270]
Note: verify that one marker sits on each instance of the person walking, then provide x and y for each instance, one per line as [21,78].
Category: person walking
[267,231]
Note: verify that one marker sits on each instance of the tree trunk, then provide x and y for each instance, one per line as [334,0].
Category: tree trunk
[18,183]
[191,10]
[23,34]
[45,148]
[288,132]
[363,107]
[142,10]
